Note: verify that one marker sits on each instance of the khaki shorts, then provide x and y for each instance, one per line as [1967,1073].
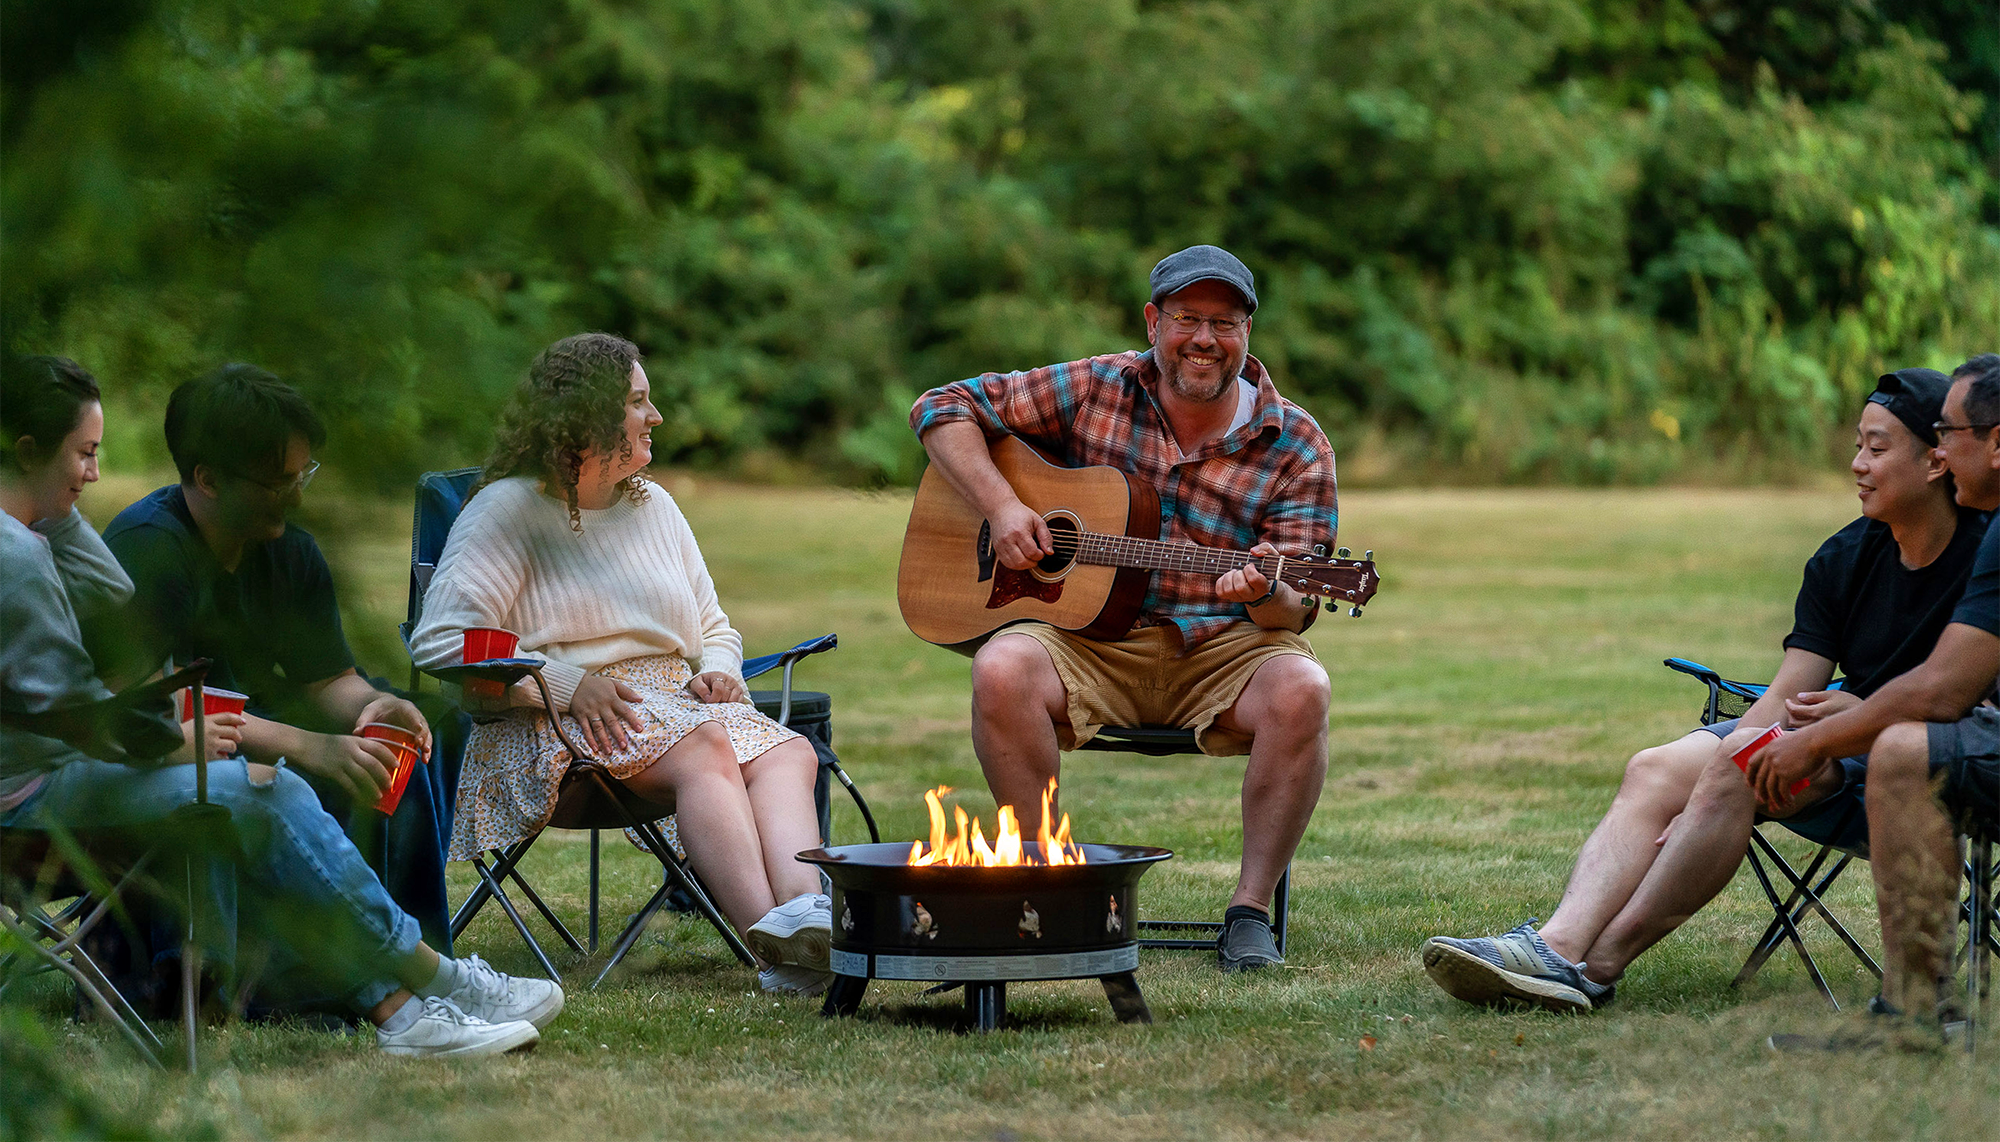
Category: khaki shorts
[1144,681]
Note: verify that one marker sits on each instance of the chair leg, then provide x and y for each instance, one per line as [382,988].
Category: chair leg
[634,929]
[492,885]
[1806,896]
[1281,908]
[683,875]
[190,970]
[1979,922]
[593,891]
[688,882]
[91,982]
[548,914]
[1791,931]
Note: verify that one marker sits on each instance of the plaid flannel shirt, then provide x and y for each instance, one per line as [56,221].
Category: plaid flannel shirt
[1271,479]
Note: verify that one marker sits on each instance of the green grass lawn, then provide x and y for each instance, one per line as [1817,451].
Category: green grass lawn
[1483,711]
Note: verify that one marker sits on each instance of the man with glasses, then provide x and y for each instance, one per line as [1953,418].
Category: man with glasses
[1932,737]
[220,573]
[1237,467]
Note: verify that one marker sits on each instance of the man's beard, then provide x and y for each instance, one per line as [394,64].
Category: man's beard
[1172,373]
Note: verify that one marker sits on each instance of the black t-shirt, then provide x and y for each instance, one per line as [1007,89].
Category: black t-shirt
[271,627]
[1875,618]
[1980,605]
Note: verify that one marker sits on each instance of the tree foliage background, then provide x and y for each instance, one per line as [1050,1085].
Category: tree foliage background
[1519,240]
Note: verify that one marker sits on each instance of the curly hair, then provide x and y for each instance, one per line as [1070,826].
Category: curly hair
[571,402]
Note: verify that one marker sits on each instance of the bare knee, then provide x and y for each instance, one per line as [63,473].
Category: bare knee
[1011,674]
[1902,754]
[702,750]
[1666,774]
[794,759]
[1289,694]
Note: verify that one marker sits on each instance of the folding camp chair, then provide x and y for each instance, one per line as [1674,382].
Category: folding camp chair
[590,798]
[1804,891]
[38,867]
[1164,741]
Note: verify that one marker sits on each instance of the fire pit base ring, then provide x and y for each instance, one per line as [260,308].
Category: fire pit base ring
[986,1001]
[978,969]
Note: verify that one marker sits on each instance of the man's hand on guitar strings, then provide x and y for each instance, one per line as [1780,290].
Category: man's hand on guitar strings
[1020,536]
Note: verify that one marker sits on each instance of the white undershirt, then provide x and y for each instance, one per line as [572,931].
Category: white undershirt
[1246,403]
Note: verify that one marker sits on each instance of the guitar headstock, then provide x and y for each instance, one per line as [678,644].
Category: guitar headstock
[1335,578]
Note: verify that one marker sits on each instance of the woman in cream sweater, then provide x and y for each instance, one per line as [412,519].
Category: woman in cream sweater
[566,543]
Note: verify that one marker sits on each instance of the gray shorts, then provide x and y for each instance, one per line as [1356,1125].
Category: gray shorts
[1841,820]
[1967,753]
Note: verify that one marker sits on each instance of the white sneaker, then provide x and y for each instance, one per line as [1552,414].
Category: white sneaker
[445,1030]
[798,932]
[498,998]
[790,979]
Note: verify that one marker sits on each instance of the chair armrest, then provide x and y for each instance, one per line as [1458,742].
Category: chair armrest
[764,664]
[788,659]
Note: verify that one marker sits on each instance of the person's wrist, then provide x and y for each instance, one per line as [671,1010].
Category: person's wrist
[1266,597]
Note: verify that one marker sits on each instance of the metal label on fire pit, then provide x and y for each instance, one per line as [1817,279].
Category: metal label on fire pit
[1055,965]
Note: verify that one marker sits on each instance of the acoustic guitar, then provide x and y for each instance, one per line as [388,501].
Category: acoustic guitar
[955,592]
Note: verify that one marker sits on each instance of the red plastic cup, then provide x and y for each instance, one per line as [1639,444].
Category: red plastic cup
[483,644]
[1742,756]
[213,701]
[405,744]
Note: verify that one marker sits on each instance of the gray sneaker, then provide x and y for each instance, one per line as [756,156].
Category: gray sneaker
[499,998]
[1247,945]
[1517,967]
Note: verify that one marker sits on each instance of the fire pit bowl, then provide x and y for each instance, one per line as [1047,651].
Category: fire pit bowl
[983,927]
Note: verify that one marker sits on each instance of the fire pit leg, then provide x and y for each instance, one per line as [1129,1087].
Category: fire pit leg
[843,996]
[986,1003]
[1126,1002]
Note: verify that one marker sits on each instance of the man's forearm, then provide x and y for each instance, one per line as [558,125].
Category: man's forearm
[266,740]
[1852,732]
[343,697]
[960,451]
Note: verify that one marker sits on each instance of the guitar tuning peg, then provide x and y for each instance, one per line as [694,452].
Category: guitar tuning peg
[1343,553]
[1369,556]
[1319,549]
[1354,612]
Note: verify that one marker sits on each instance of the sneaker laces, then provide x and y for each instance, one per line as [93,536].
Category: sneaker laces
[481,978]
[437,1006]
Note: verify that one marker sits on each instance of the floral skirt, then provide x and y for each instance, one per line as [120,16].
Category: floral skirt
[514,766]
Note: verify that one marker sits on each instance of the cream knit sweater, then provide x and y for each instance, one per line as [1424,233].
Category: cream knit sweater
[633,583]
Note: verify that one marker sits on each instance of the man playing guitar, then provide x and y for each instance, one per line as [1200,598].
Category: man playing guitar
[1235,466]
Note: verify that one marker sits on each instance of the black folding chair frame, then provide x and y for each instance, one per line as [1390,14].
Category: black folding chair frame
[1165,741]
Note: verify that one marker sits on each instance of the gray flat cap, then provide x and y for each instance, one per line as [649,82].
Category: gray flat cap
[1176,272]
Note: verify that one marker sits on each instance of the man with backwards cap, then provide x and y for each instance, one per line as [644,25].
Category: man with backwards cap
[1875,599]
[1237,467]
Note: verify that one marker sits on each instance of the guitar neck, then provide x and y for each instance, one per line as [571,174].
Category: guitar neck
[1157,555]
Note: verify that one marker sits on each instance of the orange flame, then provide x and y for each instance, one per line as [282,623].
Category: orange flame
[1007,848]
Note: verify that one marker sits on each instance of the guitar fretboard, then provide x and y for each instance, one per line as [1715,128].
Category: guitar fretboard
[1157,555]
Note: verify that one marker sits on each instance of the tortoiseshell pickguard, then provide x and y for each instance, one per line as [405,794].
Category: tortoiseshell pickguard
[1010,586]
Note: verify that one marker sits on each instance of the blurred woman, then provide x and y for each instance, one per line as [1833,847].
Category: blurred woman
[566,543]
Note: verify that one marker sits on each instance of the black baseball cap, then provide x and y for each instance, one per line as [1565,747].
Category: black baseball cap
[1176,272]
[1916,397]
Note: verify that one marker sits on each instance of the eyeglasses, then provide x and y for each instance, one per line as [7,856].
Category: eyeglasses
[1940,427]
[1189,322]
[285,487]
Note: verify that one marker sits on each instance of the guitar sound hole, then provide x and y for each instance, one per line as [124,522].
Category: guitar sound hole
[1063,530]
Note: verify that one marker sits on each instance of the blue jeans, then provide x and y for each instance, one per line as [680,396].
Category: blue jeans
[307,889]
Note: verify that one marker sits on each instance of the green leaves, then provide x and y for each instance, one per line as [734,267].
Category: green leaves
[1502,237]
